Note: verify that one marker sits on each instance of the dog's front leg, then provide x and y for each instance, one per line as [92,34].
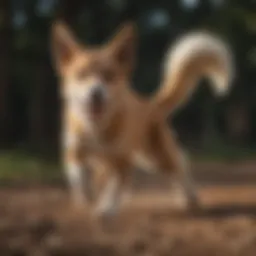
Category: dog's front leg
[73,171]
[112,195]
[110,198]
[73,167]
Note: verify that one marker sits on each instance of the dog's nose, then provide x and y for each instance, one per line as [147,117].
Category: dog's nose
[97,95]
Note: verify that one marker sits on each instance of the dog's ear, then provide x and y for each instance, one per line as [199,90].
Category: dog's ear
[63,44]
[123,46]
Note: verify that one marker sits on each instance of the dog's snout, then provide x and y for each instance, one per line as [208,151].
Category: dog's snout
[97,95]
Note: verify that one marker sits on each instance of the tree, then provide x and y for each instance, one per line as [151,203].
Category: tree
[5,64]
[44,101]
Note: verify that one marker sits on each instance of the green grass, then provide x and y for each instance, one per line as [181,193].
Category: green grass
[225,153]
[21,165]
[16,165]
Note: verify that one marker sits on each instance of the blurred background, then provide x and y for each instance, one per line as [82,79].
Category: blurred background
[219,134]
[29,102]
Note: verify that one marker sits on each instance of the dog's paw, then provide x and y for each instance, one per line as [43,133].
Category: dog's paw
[106,217]
[106,213]
[193,204]
[187,204]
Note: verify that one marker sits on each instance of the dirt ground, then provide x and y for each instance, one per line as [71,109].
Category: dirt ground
[38,220]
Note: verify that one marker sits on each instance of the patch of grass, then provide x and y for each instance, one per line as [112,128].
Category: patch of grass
[22,165]
[225,153]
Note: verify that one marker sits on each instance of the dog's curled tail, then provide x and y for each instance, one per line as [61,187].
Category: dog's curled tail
[194,56]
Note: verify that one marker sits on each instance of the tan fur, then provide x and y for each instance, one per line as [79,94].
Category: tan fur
[132,131]
[194,56]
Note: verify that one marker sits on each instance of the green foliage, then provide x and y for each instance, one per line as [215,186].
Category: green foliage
[17,164]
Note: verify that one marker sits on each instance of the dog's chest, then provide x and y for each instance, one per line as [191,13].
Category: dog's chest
[125,133]
[127,136]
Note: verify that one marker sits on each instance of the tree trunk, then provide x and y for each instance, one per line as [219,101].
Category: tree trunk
[40,107]
[45,103]
[5,51]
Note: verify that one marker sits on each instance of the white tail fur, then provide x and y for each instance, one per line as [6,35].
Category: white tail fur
[194,56]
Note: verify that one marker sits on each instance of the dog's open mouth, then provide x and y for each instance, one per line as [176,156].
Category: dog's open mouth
[97,109]
[97,103]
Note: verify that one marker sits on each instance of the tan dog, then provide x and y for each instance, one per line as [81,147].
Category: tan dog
[109,127]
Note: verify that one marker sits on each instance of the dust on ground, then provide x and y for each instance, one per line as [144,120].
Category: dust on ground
[39,220]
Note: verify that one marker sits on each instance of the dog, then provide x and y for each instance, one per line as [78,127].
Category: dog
[110,129]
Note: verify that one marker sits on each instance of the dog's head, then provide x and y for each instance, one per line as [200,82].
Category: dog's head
[93,79]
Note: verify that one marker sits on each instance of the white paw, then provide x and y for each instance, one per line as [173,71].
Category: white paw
[106,217]
[106,212]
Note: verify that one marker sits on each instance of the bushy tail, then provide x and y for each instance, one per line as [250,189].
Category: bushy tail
[194,56]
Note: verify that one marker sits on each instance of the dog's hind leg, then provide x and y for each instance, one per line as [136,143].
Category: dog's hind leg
[184,181]
[173,162]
